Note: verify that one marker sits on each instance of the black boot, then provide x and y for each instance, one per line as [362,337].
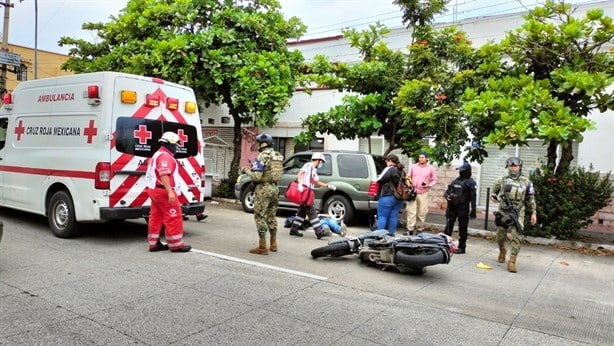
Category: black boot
[460,250]
[295,232]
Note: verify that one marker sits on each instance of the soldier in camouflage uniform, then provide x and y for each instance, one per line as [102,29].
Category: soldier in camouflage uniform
[522,195]
[265,174]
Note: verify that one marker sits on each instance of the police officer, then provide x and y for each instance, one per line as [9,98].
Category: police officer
[461,198]
[265,174]
[521,193]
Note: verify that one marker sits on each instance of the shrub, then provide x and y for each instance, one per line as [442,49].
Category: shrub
[225,189]
[566,203]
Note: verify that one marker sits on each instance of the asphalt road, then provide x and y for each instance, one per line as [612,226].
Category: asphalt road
[104,287]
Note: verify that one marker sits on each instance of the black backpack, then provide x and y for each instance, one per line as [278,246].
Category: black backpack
[455,194]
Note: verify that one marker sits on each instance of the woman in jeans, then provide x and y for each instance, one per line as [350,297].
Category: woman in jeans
[388,206]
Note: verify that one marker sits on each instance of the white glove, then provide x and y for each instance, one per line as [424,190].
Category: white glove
[331,187]
[300,187]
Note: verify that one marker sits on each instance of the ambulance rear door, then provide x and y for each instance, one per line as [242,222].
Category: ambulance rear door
[145,108]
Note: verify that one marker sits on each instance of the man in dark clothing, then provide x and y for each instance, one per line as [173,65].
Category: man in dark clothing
[461,196]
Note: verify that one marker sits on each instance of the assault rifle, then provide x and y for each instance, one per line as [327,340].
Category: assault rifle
[512,217]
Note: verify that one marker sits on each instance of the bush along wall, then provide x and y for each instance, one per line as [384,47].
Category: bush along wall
[567,203]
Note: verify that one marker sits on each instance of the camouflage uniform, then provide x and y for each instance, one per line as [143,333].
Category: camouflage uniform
[265,173]
[522,196]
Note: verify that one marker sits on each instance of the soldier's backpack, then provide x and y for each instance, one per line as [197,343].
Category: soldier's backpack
[455,194]
[277,166]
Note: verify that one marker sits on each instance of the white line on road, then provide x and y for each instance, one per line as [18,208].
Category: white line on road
[261,265]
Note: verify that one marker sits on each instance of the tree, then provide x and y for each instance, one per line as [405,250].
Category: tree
[403,96]
[231,52]
[556,75]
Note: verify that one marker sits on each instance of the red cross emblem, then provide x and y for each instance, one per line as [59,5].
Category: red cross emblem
[182,137]
[20,130]
[90,132]
[142,134]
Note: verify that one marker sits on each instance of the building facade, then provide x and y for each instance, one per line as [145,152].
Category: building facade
[595,151]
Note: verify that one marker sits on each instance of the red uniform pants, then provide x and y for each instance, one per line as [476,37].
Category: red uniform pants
[164,213]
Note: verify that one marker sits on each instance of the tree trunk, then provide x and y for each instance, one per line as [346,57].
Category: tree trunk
[566,158]
[552,156]
[237,142]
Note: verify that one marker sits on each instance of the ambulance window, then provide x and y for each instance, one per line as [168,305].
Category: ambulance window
[3,125]
[139,137]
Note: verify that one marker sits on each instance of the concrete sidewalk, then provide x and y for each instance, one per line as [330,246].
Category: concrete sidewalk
[479,227]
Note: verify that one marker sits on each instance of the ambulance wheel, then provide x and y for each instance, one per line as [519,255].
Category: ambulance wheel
[61,215]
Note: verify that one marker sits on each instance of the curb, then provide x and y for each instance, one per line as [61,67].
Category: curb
[540,241]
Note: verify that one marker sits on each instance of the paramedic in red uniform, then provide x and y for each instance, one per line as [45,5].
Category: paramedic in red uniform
[165,207]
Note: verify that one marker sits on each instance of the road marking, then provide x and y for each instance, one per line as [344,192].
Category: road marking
[261,265]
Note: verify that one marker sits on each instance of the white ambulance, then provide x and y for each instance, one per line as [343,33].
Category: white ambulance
[75,148]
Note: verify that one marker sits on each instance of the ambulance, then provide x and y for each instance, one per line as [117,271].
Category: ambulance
[75,148]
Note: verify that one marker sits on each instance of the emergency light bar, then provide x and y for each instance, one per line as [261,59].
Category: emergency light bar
[172,103]
[7,99]
[128,96]
[152,100]
[190,107]
[93,95]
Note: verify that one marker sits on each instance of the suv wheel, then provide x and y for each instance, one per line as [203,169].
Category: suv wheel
[247,200]
[339,208]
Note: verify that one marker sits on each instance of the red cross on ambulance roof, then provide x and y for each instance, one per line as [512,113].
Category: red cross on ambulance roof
[142,134]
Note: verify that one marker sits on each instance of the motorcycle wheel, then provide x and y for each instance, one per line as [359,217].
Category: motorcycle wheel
[423,259]
[332,250]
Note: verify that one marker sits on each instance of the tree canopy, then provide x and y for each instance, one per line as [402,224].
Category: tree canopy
[540,82]
[230,52]
[556,74]
[404,96]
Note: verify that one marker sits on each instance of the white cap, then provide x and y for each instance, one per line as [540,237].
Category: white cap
[318,156]
[169,137]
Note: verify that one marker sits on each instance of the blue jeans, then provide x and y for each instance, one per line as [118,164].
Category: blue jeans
[388,208]
[332,224]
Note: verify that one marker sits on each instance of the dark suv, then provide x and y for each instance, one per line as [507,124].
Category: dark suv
[352,172]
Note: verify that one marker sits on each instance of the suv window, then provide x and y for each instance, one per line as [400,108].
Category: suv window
[352,166]
[294,164]
[380,164]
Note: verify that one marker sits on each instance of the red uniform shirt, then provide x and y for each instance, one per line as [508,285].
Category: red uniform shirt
[165,164]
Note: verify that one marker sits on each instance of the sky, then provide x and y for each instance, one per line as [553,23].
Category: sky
[58,18]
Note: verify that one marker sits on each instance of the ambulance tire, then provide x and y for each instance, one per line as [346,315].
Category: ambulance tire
[61,215]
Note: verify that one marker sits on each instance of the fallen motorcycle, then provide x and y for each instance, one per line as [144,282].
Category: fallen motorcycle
[406,255]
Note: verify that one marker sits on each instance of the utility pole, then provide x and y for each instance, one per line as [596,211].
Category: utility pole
[5,42]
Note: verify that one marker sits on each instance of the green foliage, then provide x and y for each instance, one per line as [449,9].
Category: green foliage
[402,97]
[231,52]
[558,72]
[566,203]
[225,189]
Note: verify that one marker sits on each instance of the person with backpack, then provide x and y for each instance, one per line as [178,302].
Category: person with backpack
[265,173]
[388,206]
[461,198]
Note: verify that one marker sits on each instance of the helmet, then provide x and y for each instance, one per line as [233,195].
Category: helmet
[318,156]
[265,138]
[513,161]
[464,170]
[464,167]
[169,138]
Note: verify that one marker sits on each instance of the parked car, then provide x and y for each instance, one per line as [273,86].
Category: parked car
[351,171]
